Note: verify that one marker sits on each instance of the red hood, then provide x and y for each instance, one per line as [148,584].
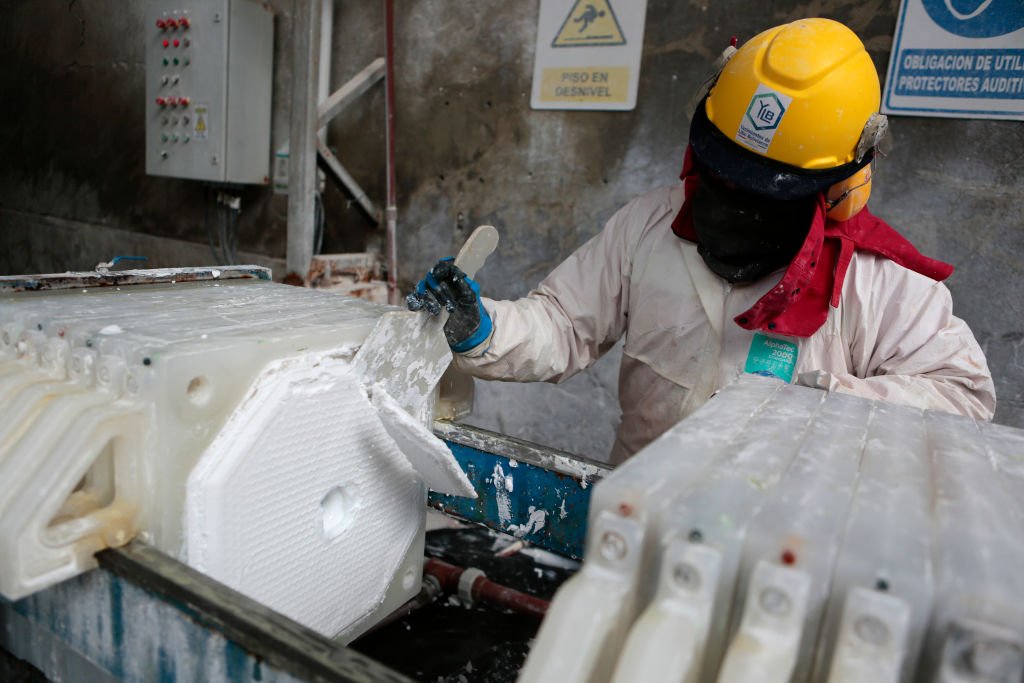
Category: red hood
[813,281]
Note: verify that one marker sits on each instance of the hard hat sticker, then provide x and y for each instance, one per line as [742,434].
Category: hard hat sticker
[762,118]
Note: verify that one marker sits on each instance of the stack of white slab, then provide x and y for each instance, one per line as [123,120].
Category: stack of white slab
[227,423]
[785,534]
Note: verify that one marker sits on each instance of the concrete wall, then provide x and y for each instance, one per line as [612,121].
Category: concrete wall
[470,151]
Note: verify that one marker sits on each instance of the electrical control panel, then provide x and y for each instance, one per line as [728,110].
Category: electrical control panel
[209,74]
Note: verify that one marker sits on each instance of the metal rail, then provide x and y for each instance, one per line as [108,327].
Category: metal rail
[121,278]
[144,616]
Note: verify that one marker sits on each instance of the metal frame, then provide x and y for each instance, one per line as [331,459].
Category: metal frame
[330,108]
[308,139]
[145,616]
[119,278]
[348,93]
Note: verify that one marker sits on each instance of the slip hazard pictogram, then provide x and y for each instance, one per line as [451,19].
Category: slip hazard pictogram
[590,23]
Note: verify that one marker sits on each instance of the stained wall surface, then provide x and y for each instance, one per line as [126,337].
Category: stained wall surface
[470,150]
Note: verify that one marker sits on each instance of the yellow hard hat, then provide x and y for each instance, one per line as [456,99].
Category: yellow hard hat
[793,112]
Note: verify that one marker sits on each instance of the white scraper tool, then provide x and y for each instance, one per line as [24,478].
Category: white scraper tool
[405,356]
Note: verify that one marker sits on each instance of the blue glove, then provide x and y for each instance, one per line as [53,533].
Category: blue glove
[469,324]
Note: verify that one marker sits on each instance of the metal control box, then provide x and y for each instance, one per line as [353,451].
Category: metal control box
[209,74]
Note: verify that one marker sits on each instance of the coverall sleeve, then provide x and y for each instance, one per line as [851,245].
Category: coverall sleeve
[573,317]
[906,346]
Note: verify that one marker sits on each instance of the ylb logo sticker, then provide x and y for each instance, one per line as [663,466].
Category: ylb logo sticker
[765,111]
[764,114]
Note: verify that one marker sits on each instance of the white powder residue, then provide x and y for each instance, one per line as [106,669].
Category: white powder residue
[501,496]
[538,518]
[550,559]
[111,329]
[428,454]
[561,510]
[513,463]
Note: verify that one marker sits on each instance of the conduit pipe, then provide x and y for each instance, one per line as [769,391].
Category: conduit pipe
[326,38]
[472,585]
[302,139]
[390,208]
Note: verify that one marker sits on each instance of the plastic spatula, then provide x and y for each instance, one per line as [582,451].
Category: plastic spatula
[406,353]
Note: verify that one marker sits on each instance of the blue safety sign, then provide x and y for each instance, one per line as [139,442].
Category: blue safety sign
[957,59]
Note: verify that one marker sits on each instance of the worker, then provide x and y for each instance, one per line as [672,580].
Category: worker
[764,259]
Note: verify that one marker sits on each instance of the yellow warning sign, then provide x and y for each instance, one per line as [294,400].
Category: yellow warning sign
[591,23]
[569,84]
[200,130]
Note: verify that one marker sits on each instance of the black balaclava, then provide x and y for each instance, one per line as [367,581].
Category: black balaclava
[743,236]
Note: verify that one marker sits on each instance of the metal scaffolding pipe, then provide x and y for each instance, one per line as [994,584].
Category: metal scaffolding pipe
[331,105]
[390,207]
[472,584]
[324,77]
[303,138]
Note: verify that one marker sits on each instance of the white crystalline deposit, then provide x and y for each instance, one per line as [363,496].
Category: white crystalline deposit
[303,501]
[428,454]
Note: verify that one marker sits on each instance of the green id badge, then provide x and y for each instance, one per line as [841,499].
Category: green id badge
[771,357]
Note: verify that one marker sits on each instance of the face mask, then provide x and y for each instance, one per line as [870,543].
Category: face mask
[742,236]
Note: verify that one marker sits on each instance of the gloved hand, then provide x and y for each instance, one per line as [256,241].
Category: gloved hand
[469,325]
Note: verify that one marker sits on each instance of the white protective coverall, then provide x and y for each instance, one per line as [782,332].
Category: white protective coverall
[893,337]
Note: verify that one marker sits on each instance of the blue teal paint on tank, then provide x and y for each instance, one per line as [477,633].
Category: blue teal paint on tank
[543,507]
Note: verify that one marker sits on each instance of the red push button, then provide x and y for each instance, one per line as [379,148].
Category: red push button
[184,101]
[184,22]
[171,23]
[162,101]
[177,42]
[167,43]
[161,24]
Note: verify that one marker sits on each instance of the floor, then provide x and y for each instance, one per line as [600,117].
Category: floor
[14,670]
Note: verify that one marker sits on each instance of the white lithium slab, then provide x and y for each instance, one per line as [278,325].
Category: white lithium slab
[425,452]
[303,501]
